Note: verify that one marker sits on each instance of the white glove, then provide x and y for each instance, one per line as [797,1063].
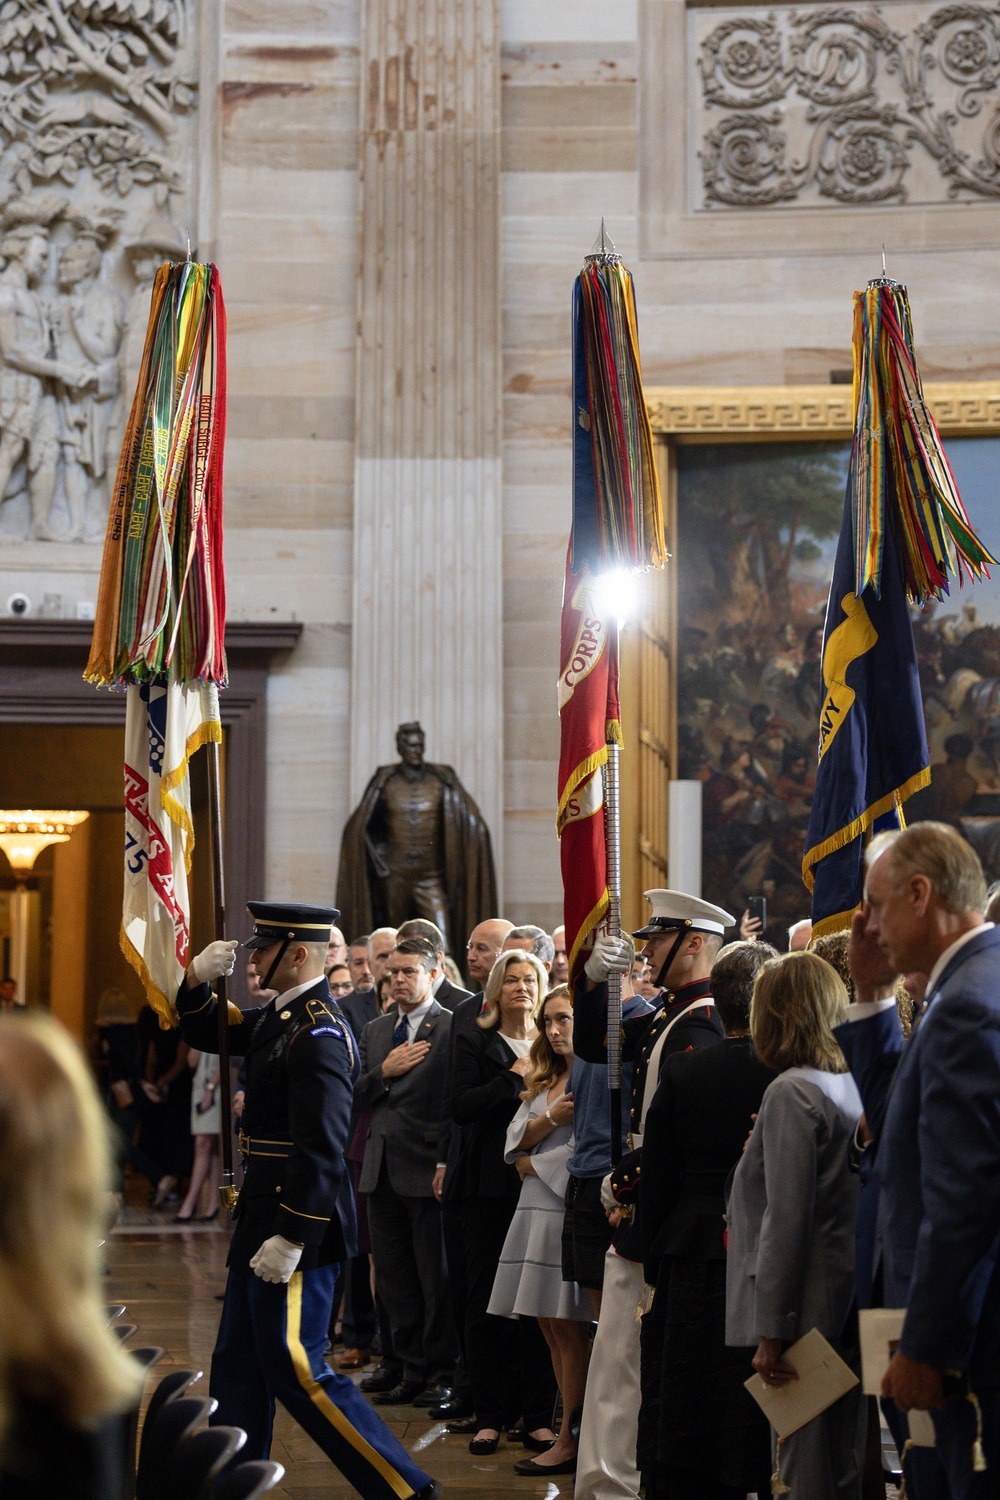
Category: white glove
[276,1259]
[611,955]
[608,1200]
[214,961]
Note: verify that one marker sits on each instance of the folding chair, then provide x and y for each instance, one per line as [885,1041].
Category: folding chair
[175,1419]
[197,1460]
[250,1480]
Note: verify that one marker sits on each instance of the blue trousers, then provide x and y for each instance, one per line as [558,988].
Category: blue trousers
[270,1348]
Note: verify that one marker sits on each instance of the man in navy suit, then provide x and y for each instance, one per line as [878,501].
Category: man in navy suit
[933,1106]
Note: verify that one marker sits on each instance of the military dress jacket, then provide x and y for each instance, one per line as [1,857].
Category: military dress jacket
[641,1033]
[301,1064]
[701,1027]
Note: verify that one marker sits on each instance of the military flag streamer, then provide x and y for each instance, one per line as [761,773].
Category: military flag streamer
[161,602]
[160,618]
[903,530]
[165,722]
[899,472]
[617,511]
[589,717]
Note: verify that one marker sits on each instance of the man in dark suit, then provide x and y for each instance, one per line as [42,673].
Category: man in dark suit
[404,1076]
[295,1223]
[482,951]
[361,1005]
[446,994]
[933,1108]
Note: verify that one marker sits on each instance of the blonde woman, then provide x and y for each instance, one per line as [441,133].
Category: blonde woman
[792,1212]
[529,1281]
[509,1368]
[64,1379]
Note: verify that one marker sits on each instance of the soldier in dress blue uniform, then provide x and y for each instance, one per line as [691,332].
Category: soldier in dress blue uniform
[295,1221]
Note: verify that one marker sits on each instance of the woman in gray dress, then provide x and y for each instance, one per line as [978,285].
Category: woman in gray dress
[792,1211]
[529,1279]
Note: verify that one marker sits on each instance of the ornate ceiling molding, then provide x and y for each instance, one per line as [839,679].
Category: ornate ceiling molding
[965,408]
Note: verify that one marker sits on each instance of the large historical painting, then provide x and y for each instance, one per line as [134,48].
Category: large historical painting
[757,532]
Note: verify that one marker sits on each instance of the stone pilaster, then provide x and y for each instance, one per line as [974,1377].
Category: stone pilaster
[427,498]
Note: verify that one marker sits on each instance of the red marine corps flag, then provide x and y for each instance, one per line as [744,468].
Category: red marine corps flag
[589,717]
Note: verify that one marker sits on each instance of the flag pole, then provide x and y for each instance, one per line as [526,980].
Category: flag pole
[227,1189]
[612,825]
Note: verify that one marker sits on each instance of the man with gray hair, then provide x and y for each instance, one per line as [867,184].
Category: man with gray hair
[932,1105]
[800,935]
[532,940]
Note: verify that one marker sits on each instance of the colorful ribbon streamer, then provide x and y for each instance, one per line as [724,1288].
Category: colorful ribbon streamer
[629,515]
[897,452]
[161,602]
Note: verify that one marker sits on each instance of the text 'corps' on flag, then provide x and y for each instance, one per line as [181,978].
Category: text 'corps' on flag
[589,715]
[165,723]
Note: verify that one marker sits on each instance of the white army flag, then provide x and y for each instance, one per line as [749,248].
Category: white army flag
[165,723]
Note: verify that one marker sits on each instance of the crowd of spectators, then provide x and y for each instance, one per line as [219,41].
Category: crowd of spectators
[830,1143]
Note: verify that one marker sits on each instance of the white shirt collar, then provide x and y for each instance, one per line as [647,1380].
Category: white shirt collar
[949,953]
[414,1017]
[439,981]
[287,996]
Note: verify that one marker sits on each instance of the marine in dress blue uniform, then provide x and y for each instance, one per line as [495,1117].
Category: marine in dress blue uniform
[295,1222]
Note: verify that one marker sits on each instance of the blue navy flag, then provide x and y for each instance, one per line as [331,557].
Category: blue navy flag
[872,737]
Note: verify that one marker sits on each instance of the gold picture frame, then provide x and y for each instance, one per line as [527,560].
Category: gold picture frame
[717,414]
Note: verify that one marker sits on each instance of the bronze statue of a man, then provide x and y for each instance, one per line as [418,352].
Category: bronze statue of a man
[416,846]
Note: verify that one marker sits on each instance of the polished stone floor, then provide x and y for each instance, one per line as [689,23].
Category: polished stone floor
[170,1277]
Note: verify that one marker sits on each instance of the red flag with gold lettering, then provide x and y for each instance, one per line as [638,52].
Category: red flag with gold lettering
[589,716]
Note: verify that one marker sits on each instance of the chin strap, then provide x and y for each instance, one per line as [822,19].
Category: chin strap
[661,978]
[265,983]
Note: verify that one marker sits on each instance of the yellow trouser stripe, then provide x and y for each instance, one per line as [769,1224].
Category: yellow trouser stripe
[319,1398]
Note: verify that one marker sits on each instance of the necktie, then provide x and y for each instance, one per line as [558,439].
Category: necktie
[401,1033]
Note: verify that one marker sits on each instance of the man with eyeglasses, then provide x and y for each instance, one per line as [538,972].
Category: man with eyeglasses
[404,1075]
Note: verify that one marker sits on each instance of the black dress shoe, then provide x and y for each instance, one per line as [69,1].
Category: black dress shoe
[399,1395]
[435,1395]
[453,1410]
[430,1491]
[382,1379]
[483,1447]
[537,1445]
[465,1425]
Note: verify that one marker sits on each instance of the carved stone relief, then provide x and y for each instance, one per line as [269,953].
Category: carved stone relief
[813,105]
[97,122]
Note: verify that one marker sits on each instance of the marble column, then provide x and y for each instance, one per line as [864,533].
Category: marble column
[427,497]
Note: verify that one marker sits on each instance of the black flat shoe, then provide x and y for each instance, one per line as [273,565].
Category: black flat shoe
[483,1447]
[207,1218]
[539,1471]
[183,1219]
[536,1445]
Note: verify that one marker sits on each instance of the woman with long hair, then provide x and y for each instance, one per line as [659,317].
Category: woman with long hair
[509,1369]
[65,1381]
[792,1213]
[205,1121]
[529,1281]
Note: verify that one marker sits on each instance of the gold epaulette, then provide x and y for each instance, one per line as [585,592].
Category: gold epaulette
[233,1014]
